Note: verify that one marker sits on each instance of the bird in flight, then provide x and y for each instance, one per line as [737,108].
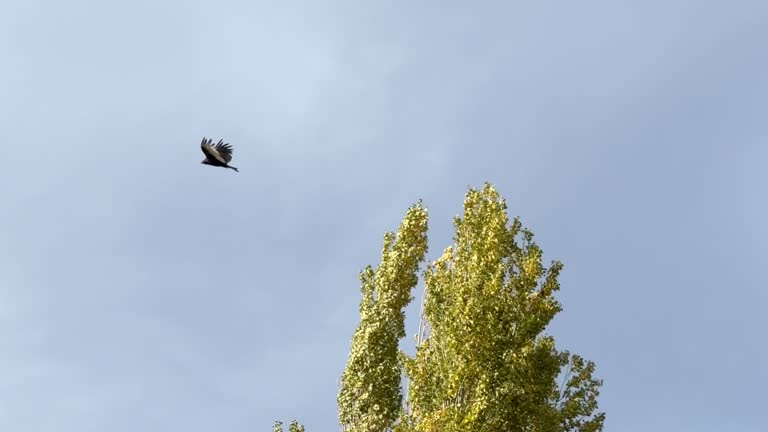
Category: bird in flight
[217,155]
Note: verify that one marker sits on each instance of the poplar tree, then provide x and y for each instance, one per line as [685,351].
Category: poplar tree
[371,394]
[293,427]
[486,363]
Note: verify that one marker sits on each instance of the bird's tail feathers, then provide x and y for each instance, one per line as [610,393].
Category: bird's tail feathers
[231,167]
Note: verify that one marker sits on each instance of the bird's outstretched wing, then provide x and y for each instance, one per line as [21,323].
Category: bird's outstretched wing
[221,152]
[224,150]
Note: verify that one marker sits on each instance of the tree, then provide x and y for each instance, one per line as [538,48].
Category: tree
[293,427]
[371,395]
[486,364]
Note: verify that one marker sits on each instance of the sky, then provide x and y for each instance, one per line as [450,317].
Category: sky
[140,290]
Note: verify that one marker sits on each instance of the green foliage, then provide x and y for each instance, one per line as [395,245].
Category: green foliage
[293,427]
[487,364]
[371,395]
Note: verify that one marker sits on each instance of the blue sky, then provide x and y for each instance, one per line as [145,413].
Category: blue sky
[140,290]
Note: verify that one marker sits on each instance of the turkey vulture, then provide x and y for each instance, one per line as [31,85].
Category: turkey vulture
[217,155]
